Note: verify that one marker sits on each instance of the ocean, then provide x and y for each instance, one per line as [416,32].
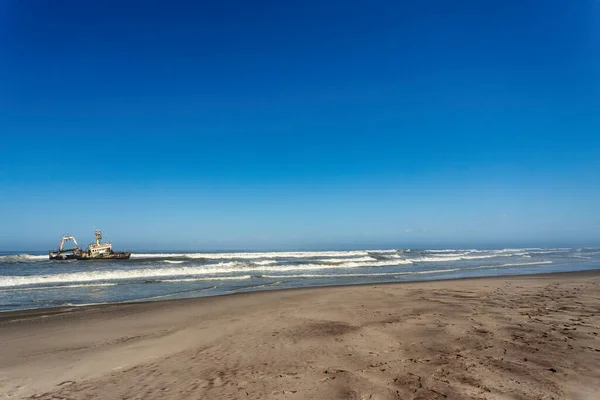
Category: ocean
[33,281]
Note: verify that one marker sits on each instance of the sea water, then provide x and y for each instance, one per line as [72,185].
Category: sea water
[34,281]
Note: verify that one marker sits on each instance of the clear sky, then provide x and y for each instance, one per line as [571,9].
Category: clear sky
[300,124]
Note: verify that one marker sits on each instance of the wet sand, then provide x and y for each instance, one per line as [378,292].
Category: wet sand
[527,337]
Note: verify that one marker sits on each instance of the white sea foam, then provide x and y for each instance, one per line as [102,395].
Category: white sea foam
[293,254]
[362,275]
[85,285]
[497,251]
[22,258]
[264,262]
[195,274]
[326,275]
[452,251]
[150,273]
[470,256]
[451,258]
[360,254]
[432,271]
[342,260]
[214,269]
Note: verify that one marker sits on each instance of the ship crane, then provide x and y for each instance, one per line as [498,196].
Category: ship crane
[67,238]
[66,254]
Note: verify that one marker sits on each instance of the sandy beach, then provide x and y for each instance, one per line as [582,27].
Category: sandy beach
[526,337]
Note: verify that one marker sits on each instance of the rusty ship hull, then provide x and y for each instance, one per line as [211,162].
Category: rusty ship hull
[113,256]
[63,257]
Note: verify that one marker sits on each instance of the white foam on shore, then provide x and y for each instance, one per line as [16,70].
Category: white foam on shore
[210,269]
[85,285]
[150,273]
[186,271]
[432,271]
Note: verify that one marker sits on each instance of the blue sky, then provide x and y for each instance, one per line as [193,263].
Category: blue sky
[225,125]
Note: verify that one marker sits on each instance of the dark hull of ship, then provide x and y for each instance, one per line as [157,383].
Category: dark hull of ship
[63,257]
[114,256]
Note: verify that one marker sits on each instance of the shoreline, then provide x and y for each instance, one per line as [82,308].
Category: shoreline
[522,336]
[66,308]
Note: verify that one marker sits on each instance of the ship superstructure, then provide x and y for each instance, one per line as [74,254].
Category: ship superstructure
[99,250]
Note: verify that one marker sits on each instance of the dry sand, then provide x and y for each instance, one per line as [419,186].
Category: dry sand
[529,337]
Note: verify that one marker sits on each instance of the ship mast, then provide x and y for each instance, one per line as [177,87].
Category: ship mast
[98,237]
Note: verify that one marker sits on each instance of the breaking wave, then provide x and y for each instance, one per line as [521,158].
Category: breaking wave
[21,258]
[432,271]
[210,269]
[248,255]
[210,272]
[30,280]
